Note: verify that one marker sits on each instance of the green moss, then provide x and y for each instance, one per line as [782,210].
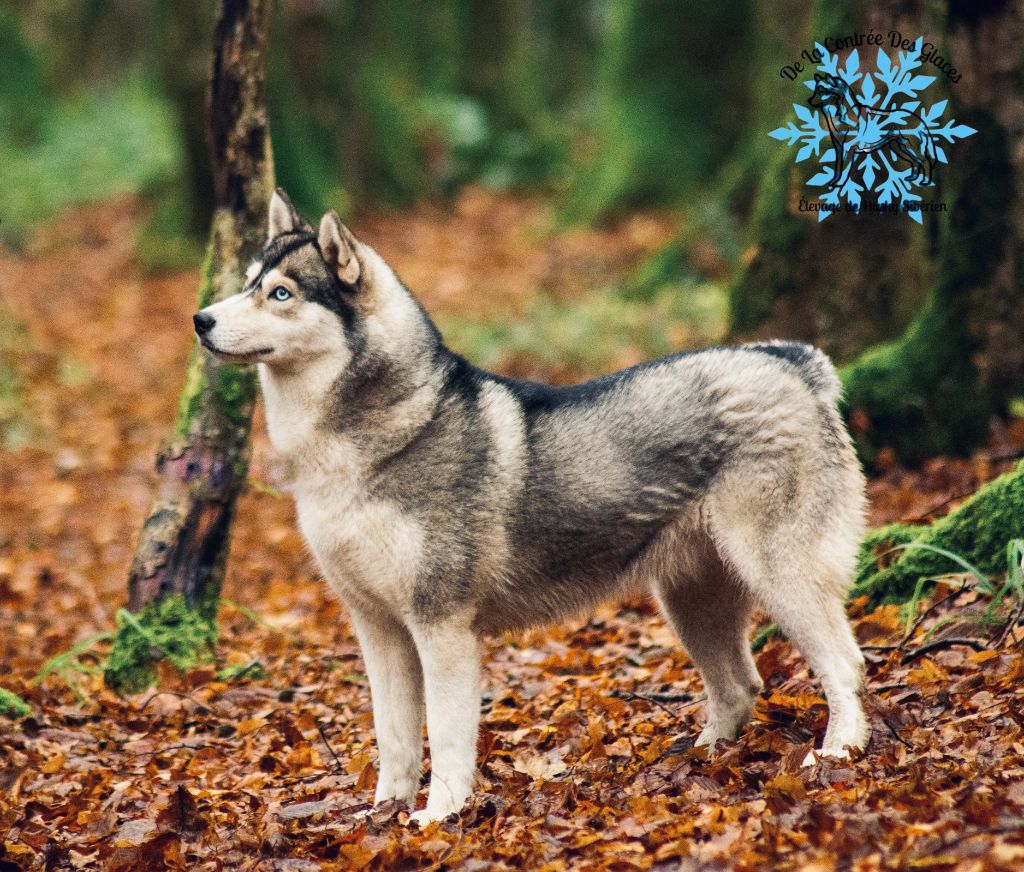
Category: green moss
[771,272]
[191,395]
[925,393]
[977,531]
[235,388]
[235,392]
[166,629]
[205,295]
[13,706]
[920,393]
[97,144]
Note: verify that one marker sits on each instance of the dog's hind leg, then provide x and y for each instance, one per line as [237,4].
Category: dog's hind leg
[902,147]
[710,614]
[799,576]
[396,685]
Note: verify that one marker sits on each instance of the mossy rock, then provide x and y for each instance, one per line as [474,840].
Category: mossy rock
[977,531]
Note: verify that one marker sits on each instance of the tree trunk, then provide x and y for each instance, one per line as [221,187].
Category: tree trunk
[656,140]
[809,280]
[176,575]
[962,359]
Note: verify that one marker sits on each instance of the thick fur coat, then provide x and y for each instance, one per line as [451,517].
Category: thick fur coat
[444,503]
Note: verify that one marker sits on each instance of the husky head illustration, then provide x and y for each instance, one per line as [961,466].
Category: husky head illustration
[829,90]
[310,295]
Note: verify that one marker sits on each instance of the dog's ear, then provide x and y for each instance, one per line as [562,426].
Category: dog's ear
[283,217]
[339,247]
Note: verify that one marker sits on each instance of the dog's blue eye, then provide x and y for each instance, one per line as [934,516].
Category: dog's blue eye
[280,294]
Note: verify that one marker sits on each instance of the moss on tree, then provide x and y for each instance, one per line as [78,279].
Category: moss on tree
[978,531]
[933,390]
[165,629]
[846,283]
[770,274]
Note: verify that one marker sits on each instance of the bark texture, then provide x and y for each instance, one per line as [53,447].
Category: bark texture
[961,361]
[844,284]
[184,543]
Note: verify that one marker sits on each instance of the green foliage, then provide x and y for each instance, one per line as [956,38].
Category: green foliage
[1013,586]
[24,96]
[92,146]
[164,243]
[166,629]
[657,140]
[242,671]
[427,99]
[67,662]
[589,334]
[13,706]
[975,535]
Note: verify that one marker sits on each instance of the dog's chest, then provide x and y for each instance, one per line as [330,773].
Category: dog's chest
[369,550]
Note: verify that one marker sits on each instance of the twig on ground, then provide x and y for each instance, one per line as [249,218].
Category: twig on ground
[1011,624]
[921,617]
[940,644]
[323,735]
[896,735]
[658,699]
[200,706]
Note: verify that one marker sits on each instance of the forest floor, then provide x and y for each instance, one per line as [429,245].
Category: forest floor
[585,746]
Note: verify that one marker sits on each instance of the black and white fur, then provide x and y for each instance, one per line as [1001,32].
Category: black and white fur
[444,503]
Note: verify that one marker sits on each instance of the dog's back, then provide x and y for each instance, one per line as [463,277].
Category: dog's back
[442,501]
[603,468]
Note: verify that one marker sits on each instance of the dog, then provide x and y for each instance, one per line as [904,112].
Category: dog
[849,119]
[444,503]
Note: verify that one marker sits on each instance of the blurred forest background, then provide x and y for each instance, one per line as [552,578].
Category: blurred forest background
[594,109]
[570,187]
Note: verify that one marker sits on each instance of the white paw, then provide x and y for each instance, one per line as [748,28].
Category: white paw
[423,817]
[813,756]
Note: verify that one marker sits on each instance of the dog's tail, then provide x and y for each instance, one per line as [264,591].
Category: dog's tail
[812,363]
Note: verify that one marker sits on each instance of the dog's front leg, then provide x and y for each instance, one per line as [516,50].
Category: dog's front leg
[450,655]
[396,684]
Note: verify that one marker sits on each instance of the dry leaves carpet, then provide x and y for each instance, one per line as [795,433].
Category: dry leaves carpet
[585,757]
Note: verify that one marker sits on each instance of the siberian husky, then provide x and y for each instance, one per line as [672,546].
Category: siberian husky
[444,503]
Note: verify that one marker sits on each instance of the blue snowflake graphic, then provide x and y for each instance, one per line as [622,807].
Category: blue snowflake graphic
[870,132]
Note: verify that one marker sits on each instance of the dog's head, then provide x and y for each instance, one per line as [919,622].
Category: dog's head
[301,294]
[829,90]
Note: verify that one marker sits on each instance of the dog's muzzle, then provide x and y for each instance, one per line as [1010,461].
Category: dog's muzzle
[203,322]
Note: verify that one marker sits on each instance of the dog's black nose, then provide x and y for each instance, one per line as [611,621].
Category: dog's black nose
[204,322]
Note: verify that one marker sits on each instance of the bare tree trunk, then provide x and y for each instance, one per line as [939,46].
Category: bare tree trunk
[961,361]
[809,280]
[184,543]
